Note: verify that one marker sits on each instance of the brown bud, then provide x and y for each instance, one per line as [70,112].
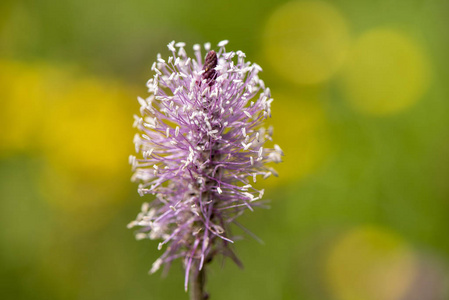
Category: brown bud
[209,67]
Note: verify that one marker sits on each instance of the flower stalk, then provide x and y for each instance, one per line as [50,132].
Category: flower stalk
[197,285]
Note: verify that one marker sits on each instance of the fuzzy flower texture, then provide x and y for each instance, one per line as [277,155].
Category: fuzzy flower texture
[201,145]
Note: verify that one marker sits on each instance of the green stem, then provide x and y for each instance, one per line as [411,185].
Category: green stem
[197,282]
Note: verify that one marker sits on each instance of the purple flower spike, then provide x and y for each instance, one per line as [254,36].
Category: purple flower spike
[200,144]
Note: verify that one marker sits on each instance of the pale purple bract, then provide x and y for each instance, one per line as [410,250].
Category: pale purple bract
[200,144]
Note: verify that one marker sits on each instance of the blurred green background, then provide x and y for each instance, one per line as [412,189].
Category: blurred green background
[360,210]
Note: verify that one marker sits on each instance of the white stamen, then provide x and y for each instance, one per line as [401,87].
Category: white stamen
[170,46]
[156,265]
[132,159]
[246,147]
[206,90]
[141,236]
[218,229]
[240,54]
[229,55]
[145,207]
[278,149]
[249,195]
[148,153]
[131,224]
[223,43]
[258,68]
[142,102]
[178,89]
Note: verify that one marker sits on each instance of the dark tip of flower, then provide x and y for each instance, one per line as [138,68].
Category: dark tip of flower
[209,67]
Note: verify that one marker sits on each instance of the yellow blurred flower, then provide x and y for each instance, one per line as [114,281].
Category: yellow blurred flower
[87,129]
[21,90]
[306,41]
[370,263]
[387,72]
[304,138]
[86,139]
[81,125]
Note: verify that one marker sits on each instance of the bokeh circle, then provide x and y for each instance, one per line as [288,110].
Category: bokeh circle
[306,42]
[370,263]
[385,73]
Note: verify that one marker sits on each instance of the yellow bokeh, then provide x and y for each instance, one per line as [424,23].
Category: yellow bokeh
[300,129]
[88,129]
[370,263]
[386,72]
[21,90]
[81,128]
[86,139]
[306,42]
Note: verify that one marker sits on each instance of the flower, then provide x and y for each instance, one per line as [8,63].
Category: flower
[200,143]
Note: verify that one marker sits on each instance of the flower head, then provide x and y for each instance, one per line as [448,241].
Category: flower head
[201,144]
